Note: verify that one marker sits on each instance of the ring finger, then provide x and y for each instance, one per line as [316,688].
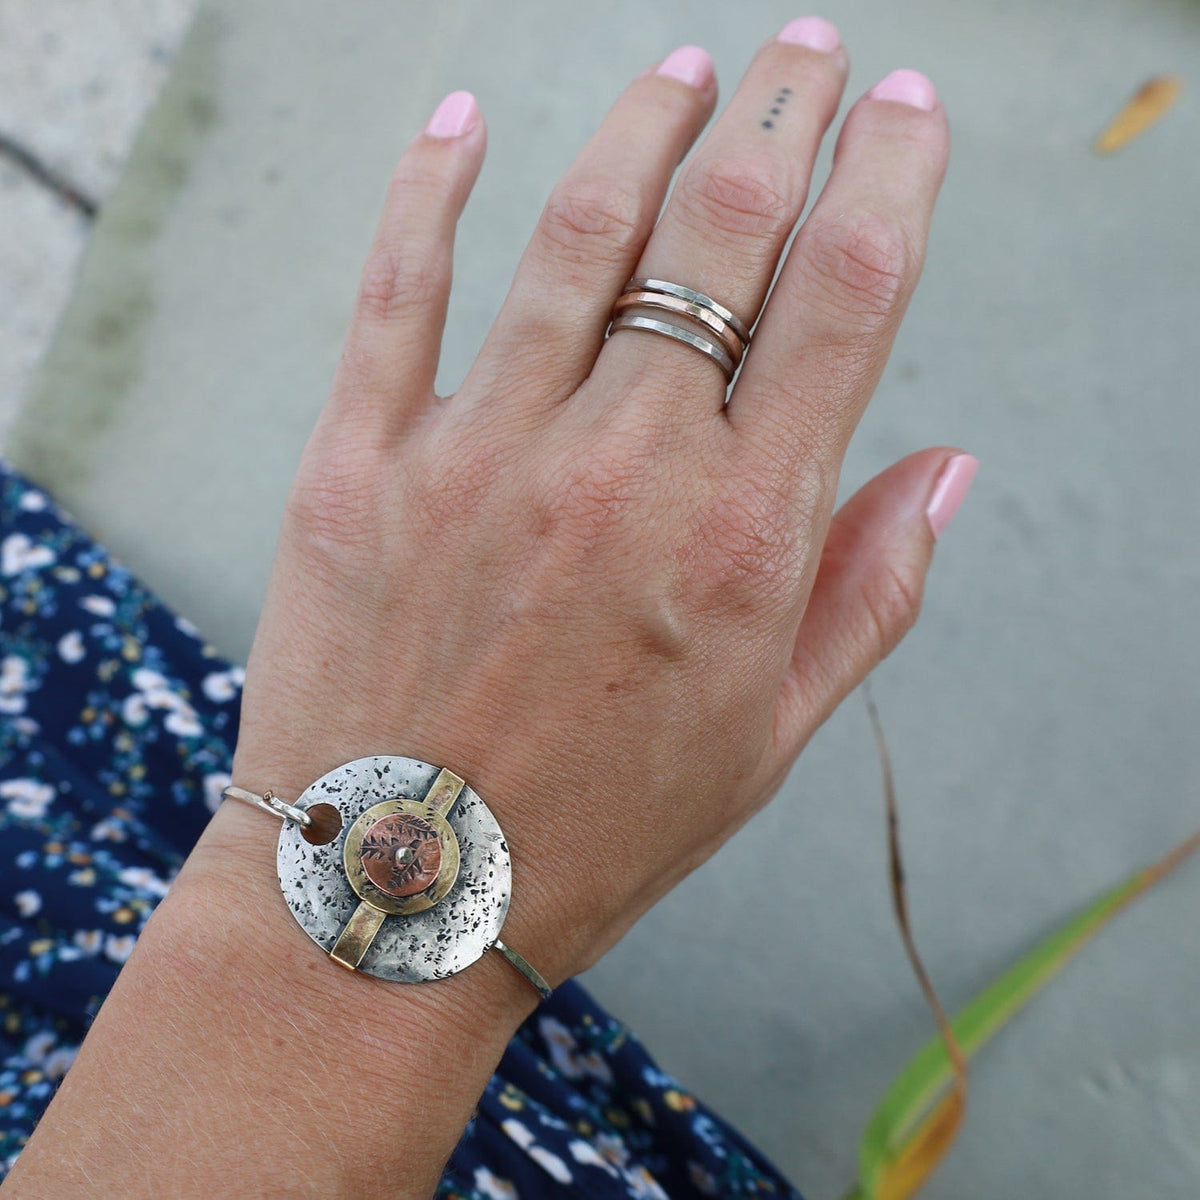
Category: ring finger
[736,203]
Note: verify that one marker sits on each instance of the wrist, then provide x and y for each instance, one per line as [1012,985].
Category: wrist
[542,922]
[230,880]
[226,1021]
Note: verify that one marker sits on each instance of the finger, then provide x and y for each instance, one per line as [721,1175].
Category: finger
[736,203]
[592,230]
[867,592]
[389,359]
[833,314]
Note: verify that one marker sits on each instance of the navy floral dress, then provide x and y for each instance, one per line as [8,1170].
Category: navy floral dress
[117,726]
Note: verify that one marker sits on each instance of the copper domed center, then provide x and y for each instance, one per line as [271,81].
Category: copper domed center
[401,854]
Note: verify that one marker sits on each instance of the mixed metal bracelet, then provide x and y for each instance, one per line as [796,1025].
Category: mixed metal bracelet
[396,868]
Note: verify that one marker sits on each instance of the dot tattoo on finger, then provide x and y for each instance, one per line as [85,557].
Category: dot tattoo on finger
[777,107]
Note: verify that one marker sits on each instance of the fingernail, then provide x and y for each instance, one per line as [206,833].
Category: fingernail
[814,32]
[689,64]
[906,87]
[456,115]
[949,491]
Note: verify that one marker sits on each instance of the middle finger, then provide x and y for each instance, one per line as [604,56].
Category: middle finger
[735,205]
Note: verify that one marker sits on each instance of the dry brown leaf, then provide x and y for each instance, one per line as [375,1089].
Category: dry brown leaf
[1147,105]
[937,1132]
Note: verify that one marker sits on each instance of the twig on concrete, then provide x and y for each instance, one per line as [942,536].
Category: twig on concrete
[48,177]
[952,1113]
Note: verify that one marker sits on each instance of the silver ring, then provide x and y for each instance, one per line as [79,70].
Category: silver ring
[712,349]
[712,324]
[692,297]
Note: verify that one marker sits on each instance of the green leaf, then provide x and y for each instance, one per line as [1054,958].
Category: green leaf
[906,1136]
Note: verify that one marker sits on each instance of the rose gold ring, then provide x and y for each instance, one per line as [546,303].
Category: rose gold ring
[644,284]
[686,308]
[723,338]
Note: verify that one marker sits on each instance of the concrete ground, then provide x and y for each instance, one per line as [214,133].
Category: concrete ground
[1042,717]
[76,77]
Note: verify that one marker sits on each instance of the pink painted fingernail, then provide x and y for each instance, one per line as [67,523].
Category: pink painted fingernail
[689,64]
[949,491]
[906,87]
[814,32]
[456,115]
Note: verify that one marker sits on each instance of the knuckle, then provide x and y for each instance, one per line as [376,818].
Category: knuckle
[329,509]
[589,218]
[750,553]
[450,488]
[797,442]
[862,267]
[575,527]
[738,197]
[402,279]
[891,600]
[589,497]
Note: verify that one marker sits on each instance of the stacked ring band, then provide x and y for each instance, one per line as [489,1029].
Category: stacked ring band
[720,335]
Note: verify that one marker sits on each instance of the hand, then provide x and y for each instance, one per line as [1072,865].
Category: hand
[613,604]
[610,601]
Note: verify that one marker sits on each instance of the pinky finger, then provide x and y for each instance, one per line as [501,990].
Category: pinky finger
[869,584]
[389,360]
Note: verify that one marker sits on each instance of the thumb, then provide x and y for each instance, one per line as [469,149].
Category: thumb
[869,583]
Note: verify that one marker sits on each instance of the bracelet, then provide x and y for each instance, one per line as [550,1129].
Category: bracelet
[385,837]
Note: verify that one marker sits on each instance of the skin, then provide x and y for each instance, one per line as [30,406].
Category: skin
[616,607]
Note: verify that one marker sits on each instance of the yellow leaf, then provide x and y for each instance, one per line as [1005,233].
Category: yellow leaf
[1148,104]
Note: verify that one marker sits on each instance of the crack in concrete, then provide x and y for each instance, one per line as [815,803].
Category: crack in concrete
[32,164]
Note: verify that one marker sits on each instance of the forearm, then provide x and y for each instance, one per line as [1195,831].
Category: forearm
[234,1055]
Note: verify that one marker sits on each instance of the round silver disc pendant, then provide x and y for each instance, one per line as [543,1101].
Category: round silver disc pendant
[432,944]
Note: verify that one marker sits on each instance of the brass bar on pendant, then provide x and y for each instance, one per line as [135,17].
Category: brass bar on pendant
[444,791]
[355,940]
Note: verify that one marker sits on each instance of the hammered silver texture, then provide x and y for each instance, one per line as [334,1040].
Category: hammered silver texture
[432,944]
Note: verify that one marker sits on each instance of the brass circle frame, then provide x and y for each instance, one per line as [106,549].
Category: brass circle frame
[376,897]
